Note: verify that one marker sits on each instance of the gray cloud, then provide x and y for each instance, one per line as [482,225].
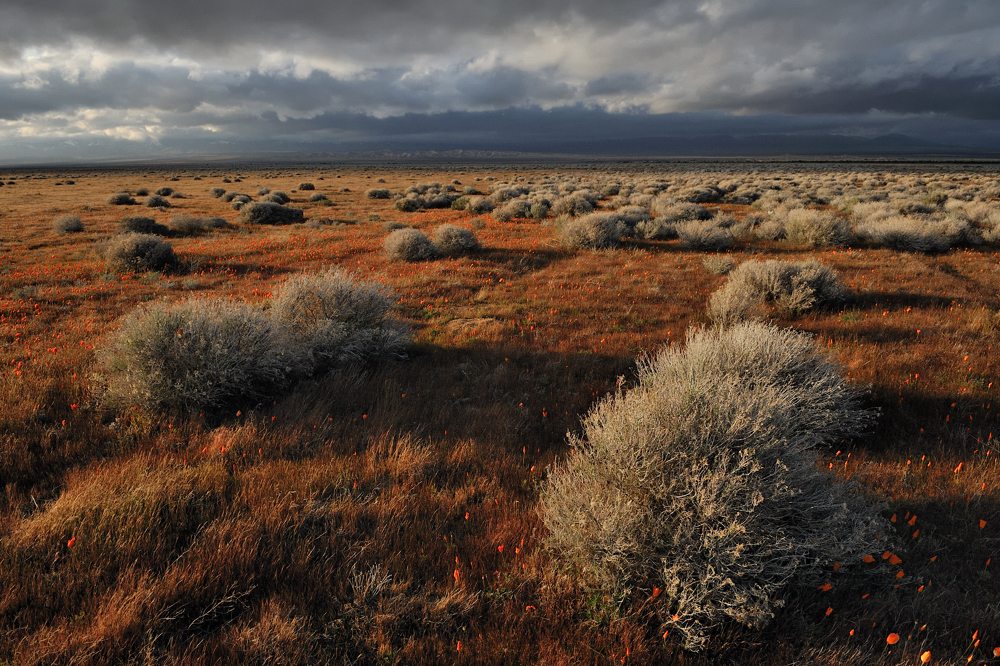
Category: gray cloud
[137,71]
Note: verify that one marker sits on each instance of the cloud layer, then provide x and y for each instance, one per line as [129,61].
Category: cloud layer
[129,70]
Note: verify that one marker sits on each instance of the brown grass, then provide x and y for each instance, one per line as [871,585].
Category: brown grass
[328,527]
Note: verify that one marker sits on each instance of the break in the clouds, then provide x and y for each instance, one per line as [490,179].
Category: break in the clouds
[240,74]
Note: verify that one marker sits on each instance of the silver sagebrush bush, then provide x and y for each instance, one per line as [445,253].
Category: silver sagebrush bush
[409,245]
[331,317]
[793,287]
[702,480]
[206,355]
[593,231]
[196,355]
[138,252]
[451,239]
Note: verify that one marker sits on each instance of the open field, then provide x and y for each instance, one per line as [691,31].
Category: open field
[389,513]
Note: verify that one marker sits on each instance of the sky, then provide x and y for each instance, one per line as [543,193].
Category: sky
[134,79]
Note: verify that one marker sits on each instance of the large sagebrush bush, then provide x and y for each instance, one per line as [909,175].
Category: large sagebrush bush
[702,481]
[331,317]
[793,287]
[197,355]
[409,245]
[138,252]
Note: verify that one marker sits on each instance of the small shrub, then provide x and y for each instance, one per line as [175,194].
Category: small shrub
[230,196]
[678,211]
[197,355]
[121,199]
[138,252]
[479,205]
[409,245]
[378,193]
[538,210]
[594,231]
[793,287]
[67,224]
[217,192]
[718,265]
[165,191]
[306,186]
[451,240]
[142,225]
[157,201]
[512,210]
[187,225]
[815,228]
[658,228]
[142,192]
[409,204]
[572,205]
[702,481]
[392,225]
[318,197]
[704,235]
[269,212]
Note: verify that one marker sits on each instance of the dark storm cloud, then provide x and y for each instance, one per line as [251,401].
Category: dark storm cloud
[306,70]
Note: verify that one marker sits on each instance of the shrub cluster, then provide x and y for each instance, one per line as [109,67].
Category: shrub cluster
[702,482]
[212,354]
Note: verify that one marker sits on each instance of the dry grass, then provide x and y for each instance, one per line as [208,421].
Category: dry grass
[328,527]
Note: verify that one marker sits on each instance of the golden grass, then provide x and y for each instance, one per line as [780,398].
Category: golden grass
[388,515]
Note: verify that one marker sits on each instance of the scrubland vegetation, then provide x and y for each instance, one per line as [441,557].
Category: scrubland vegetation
[594,414]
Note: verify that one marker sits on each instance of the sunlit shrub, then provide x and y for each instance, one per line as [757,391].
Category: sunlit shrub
[594,231]
[912,234]
[701,481]
[268,212]
[67,224]
[121,199]
[409,245]
[197,355]
[512,210]
[138,252]
[815,228]
[451,239]
[157,201]
[704,235]
[377,193]
[331,317]
[793,287]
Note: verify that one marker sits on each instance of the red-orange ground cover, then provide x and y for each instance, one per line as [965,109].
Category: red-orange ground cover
[389,515]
